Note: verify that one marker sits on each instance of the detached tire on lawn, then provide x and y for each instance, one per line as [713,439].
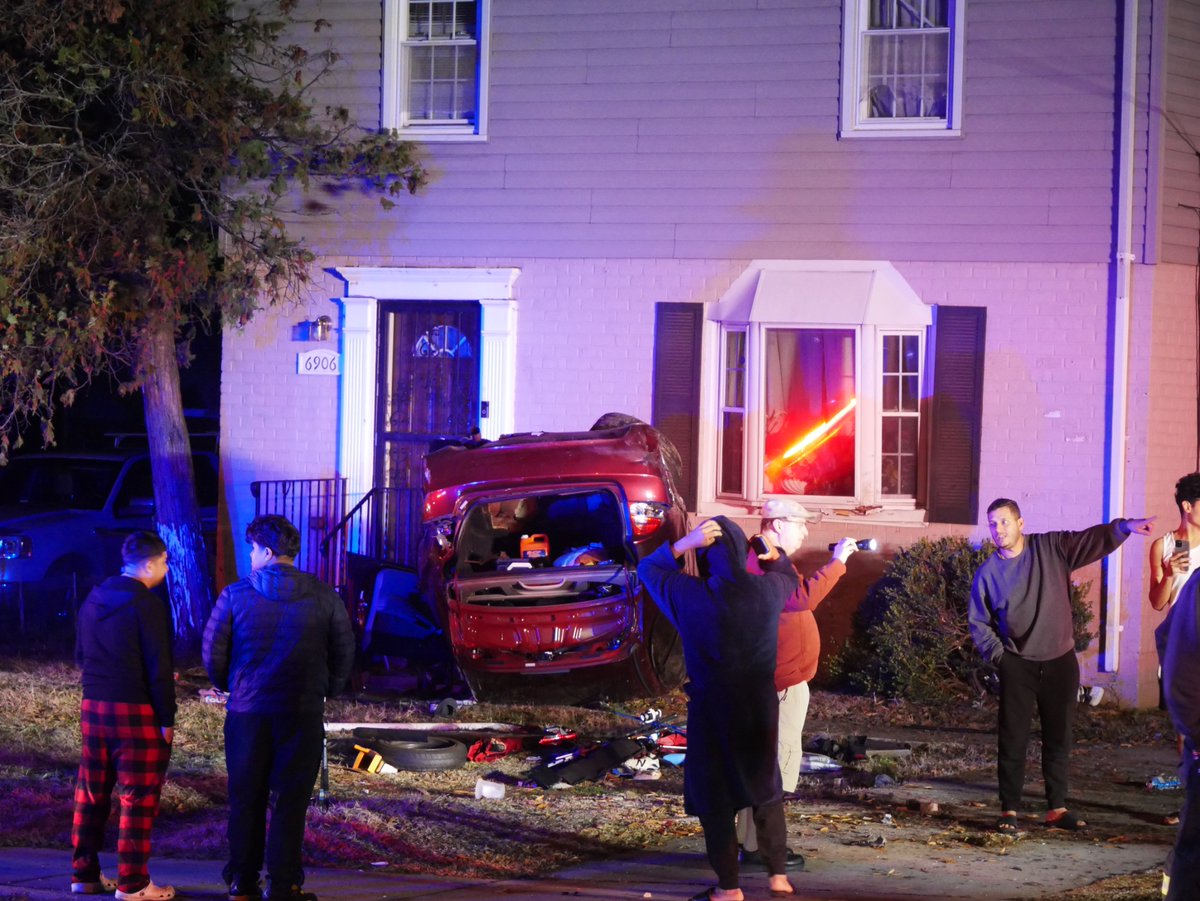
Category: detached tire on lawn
[434,753]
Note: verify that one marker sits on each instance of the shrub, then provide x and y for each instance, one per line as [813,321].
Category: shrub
[911,637]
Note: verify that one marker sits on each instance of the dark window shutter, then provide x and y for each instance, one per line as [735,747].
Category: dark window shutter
[675,407]
[952,477]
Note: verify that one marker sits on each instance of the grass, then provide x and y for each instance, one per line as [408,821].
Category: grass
[431,822]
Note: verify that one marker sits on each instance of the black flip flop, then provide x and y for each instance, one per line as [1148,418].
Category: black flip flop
[1068,821]
[1008,825]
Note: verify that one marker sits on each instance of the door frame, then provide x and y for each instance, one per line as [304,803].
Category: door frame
[358,338]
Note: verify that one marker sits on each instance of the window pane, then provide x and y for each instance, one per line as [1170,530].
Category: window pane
[908,396]
[906,74]
[908,475]
[442,82]
[732,429]
[891,393]
[891,353]
[912,353]
[890,475]
[891,434]
[908,434]
[418,20]
[809,412]
[735,369]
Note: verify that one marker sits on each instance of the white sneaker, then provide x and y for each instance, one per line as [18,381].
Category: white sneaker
[103,886]
[1090,694]
[151,892]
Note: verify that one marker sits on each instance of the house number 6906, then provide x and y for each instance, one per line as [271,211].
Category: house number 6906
[319,362]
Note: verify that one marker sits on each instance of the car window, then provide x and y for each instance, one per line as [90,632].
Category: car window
[58,483]
[137,489]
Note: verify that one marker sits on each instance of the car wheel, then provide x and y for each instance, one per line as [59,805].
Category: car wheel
[661,666]
[434,753]
[64,588]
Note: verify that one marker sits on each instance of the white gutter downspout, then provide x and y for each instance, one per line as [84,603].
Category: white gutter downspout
[1115,501]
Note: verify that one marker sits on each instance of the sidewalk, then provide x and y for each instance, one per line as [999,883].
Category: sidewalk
[1030,868]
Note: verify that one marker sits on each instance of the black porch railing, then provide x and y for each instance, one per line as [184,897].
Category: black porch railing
[384,527]
[315,507]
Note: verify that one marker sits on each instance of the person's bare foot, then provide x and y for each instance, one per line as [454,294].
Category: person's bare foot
[781,886]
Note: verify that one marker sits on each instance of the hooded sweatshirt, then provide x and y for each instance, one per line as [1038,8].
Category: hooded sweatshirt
[123,647]
[279,641]
[727,620]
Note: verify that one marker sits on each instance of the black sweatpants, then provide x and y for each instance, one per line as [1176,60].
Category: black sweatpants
[720,841]
[1053,687]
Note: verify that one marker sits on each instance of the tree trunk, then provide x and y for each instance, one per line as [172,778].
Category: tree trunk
[177,513]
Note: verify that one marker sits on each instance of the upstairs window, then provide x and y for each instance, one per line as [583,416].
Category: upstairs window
[435,68]
[902,67]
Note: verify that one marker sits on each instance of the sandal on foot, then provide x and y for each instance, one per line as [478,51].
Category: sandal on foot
[1066,820]
[1008,825]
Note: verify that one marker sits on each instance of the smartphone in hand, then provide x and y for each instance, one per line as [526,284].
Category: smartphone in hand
[759,545]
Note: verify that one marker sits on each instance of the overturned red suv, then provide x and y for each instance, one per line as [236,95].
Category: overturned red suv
[530,551]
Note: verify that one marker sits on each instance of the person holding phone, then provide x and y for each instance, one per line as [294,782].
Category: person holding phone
[783,530]
[1176,554]
[1174,557]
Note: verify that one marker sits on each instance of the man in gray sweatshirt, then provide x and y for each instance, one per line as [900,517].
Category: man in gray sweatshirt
[1020,619]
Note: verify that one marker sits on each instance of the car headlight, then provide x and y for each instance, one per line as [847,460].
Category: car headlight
[15,547]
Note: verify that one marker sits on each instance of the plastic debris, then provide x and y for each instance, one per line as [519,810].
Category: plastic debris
[887,820]
[883,780]
[486,788]
[1163,783]
[818,763]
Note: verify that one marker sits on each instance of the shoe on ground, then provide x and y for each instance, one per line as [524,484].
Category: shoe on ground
[245,891]
[754,860]
[1090,694]
[150,892]
[102,886]
[292,893]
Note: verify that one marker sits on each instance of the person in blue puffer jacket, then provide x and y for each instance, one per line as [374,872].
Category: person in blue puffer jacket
[279,642]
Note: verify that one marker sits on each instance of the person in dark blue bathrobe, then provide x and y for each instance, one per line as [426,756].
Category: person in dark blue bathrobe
[728,620]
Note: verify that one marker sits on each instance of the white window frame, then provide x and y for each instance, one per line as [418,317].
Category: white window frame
[887,312]
[854,121]
[395,79]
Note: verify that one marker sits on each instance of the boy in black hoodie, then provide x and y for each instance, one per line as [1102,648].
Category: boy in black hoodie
[123,647]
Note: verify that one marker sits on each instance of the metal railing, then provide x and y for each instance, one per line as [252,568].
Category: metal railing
[316,507]
[385,526]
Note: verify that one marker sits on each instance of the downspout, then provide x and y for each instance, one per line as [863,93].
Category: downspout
[1119,362]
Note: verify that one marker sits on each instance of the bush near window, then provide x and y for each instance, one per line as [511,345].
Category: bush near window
[911,638]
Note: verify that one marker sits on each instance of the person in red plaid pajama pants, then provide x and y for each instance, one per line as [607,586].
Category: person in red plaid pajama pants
[127,718]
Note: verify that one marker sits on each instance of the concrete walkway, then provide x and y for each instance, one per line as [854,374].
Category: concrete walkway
[851,872]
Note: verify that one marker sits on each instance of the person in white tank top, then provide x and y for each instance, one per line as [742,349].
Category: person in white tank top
[1171,563]
[1173,558]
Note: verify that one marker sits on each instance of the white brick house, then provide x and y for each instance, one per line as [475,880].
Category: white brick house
[782,174]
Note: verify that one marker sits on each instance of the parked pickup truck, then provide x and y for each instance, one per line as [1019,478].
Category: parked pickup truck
[63,517]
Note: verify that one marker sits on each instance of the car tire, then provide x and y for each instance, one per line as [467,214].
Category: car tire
[433,753]
[659,661]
